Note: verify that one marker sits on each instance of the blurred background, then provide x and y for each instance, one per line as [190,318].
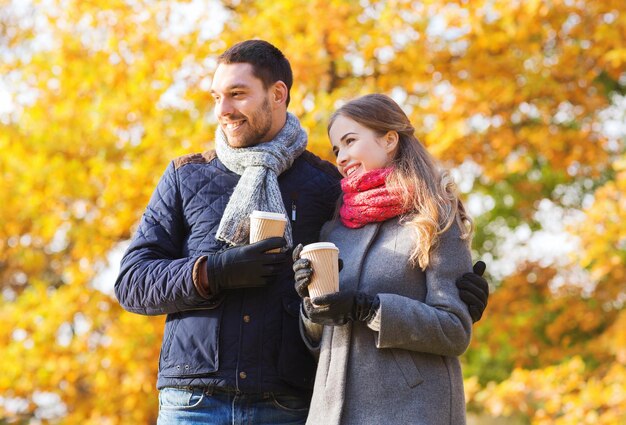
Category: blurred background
[524,100]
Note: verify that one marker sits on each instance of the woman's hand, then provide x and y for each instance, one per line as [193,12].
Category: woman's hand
[302,272]
[339,308]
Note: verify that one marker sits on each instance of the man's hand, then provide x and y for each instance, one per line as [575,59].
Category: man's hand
[339,308]
[474,291]
[245,266]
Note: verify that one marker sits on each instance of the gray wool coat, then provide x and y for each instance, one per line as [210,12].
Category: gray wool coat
[408,372]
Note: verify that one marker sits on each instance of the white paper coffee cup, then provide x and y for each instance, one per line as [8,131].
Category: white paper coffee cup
[265,225]
[324,258]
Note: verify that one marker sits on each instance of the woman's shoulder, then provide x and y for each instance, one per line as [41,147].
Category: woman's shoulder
[328,228]
[455,232]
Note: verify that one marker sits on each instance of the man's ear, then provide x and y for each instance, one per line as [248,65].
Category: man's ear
[279,93]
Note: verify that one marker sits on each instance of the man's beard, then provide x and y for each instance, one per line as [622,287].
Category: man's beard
[259,124]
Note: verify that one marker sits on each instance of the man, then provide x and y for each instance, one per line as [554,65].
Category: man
[232,352]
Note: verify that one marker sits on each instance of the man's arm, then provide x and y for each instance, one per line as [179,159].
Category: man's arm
[154,278]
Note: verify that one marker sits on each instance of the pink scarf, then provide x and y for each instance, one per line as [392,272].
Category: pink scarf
[366,199]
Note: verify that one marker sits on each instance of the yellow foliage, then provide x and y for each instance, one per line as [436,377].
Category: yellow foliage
[560,395]
[604,237]
[105,93]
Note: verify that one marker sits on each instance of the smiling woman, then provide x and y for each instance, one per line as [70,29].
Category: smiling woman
[372,133]
[404,235]
[360,149]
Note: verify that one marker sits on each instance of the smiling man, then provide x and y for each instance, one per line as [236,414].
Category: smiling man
[232,351]
[243,107]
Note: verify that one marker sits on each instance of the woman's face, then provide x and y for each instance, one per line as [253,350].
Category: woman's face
[359,149]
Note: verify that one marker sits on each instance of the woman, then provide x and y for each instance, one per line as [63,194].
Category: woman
[389,340]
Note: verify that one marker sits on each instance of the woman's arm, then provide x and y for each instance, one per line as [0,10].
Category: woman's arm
[439,325]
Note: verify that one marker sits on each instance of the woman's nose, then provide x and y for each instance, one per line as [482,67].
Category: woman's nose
[342,158]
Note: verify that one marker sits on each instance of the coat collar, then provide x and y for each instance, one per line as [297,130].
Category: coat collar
[353,247]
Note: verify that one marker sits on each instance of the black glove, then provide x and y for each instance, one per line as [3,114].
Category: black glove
[303,271]
[245,266]
[474,291]
[340,307]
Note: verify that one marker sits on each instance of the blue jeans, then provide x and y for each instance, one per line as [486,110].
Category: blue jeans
[192,406]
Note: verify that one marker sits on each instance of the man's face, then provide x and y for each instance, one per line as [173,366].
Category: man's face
[242,105]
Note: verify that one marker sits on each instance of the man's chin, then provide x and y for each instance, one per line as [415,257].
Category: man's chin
[237,142]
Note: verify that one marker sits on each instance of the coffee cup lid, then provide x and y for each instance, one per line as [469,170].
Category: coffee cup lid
[268,215]
[319,245]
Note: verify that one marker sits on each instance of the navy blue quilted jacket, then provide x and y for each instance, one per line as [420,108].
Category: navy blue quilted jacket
[247,338]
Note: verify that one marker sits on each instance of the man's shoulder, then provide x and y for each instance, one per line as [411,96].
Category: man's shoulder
[320,164]
[195,158]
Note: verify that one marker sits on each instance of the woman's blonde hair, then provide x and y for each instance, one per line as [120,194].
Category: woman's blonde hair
[428,191]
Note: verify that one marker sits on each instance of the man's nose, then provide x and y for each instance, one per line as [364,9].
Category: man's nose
[223,108]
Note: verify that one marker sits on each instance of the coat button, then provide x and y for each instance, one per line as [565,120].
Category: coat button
[243,375]
[246,318]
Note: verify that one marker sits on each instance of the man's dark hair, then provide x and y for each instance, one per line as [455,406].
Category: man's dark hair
[268,63]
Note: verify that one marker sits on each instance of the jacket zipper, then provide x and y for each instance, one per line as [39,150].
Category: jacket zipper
[294,199]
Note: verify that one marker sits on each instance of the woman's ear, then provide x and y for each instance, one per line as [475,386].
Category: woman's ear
[390,141]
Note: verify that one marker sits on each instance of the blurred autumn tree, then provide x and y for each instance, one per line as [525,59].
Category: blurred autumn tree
[96,97]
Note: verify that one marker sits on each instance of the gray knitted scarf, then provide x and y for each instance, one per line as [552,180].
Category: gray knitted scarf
[257,189]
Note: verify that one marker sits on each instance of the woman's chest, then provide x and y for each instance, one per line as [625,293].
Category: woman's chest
[376,260]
